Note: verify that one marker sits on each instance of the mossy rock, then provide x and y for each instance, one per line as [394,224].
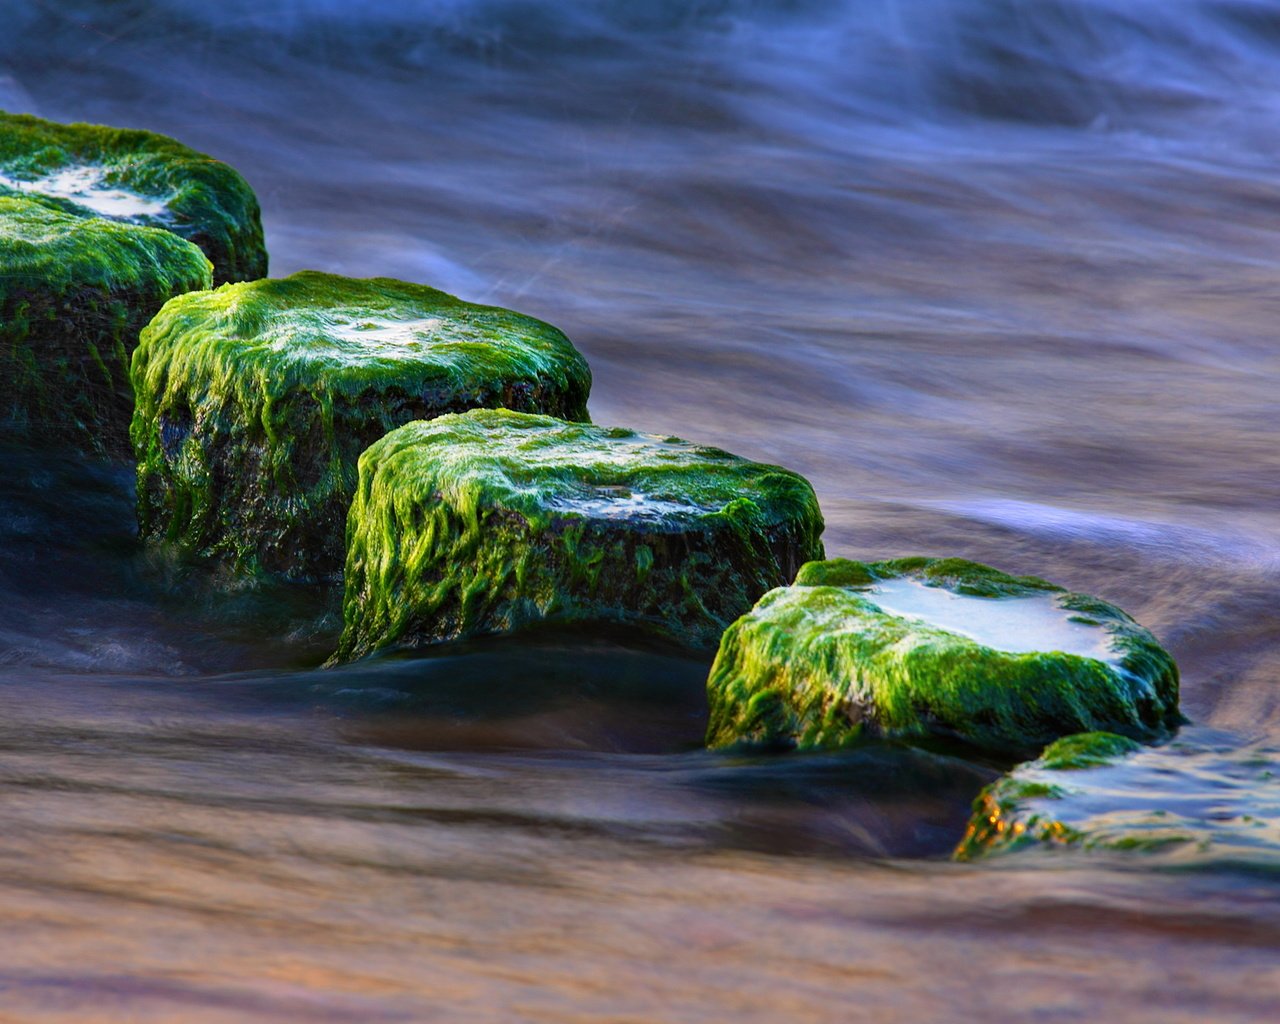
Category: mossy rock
[1205,797]
[935,648]
[254,402]
[493,521]
[137,177]
[74,293]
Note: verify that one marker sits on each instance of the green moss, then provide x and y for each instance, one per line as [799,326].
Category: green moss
[198,198]
[834,572]
[255,401]
[1086,750]
[74,294]
[492,521]
[956,574]
[821,663]
[1204,797]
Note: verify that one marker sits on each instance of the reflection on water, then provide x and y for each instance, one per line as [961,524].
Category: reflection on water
[998,276]
[1019,624]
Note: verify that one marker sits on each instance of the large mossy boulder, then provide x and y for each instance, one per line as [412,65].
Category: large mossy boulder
[1204,797]
[74,293]
[935,648]
[492,521]
[255,400]
[137,177]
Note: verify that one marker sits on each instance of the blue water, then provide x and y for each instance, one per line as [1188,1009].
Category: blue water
[999,277]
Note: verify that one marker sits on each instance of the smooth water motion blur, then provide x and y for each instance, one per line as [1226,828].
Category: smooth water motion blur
[1001,277]
[1015,624]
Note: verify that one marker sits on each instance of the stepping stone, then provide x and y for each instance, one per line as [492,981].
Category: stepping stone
[74,293]
[942,648]
[493,521]
[254,402]
[1206,797]
[136,177]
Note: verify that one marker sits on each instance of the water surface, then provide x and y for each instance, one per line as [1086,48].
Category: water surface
[999,277]
[1020,625]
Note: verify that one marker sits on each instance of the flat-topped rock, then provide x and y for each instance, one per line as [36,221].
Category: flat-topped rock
[137,177]
[254,402]
[492,521]
[74,293]
[1205,797]
[942,648]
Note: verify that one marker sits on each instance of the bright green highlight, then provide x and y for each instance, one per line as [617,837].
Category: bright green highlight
[140,177]
[256,400]
[492,521]
[822,664]
[74,294]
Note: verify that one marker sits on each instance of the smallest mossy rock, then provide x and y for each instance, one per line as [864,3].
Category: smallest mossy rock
[1204,797]
[255,400]
[942,648]
[136,177]
[492,521]
[74,294]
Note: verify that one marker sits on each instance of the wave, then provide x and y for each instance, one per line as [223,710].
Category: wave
[1063,63]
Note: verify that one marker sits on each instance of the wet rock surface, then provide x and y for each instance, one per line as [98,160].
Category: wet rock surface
[935,649]
[493,521]
[74,293]
[255,401]
[136,177]
[1206,796]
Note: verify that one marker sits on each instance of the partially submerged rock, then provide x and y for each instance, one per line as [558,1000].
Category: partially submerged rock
[492,521]
[942,648]
[254,402]
[1206,796]
[74,293]
[138,177]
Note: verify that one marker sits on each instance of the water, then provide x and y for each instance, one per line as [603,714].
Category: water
[347,335]
[1017,624]
[999,277]
[619,502]
[87,187]
[1201,796]
[388,338]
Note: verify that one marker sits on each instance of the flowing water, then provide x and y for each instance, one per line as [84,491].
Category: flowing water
[1001,277]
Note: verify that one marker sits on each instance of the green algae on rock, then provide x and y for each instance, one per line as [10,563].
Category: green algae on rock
[138,177]
[74,294]
[1205,797]
[492,521]
[254,402]
[943,648]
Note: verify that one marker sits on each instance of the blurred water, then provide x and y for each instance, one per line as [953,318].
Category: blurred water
[999,276]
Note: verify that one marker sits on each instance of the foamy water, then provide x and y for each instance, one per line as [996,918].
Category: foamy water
[364,337]
[86,186]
